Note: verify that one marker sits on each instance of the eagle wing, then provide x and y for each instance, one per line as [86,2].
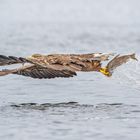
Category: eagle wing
[76,62]
[77,58]
[33,69]
[8,60]
[39,72]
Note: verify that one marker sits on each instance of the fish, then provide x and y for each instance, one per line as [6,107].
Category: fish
[116,62]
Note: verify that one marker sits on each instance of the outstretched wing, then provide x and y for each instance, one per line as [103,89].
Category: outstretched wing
[8,60]
[40,72]
[34,69]
[75,62]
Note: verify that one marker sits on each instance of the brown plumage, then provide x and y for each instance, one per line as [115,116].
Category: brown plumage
[74,62]
[61,65]
[54,65]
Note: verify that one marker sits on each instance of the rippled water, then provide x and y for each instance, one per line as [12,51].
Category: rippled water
[89,106]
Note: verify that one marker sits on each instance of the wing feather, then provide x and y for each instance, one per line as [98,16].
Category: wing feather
[8,60]
[41,72]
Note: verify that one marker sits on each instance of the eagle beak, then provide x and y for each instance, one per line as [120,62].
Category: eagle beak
[105,72]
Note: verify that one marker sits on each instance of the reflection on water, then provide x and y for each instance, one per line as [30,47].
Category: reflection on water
[102,110]
[63,120]
[44,106]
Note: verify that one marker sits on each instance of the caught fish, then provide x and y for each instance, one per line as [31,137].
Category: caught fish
[116,62]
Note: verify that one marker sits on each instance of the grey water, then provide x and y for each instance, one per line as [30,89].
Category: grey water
[89,106]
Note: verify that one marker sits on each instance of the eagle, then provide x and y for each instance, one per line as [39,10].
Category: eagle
[62,65]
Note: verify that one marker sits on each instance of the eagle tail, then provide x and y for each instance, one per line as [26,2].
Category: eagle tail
[8,60]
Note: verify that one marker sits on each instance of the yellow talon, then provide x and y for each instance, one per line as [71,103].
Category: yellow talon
[105,72]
